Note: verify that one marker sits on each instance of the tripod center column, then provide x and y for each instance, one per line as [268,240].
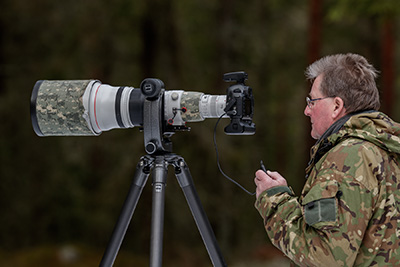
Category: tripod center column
[160,173]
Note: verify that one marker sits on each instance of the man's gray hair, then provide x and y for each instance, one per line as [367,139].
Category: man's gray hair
[348,76]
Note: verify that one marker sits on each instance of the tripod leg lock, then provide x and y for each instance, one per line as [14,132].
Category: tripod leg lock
[143,170]
[182,172]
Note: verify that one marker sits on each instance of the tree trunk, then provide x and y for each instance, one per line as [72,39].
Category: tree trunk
[315,22]
[313,53]
[388,56]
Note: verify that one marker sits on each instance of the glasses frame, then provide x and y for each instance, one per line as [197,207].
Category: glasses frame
[310,101]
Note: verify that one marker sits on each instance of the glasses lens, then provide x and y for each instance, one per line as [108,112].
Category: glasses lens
[308,101]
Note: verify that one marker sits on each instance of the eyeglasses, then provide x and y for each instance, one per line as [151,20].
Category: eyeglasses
[310,101]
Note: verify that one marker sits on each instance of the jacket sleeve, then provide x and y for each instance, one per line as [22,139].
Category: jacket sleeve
[324,228]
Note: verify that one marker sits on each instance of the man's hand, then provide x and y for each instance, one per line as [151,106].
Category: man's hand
[268,180]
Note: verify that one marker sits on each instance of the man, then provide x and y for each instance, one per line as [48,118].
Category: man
[348,213]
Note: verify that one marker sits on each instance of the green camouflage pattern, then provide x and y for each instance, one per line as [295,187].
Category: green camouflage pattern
[191,101]
[348,213]
[59,108]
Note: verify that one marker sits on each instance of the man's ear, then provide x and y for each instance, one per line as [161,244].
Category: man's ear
[338,108]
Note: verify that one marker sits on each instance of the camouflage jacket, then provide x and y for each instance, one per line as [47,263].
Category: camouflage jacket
[348,213]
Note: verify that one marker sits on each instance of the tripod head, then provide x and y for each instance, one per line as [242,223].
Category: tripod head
[155,137]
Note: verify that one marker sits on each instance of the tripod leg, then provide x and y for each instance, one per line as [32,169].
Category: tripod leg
[157,222]
[186,182]
[140,177]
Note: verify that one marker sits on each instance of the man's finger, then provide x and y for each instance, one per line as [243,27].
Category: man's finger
[272,175]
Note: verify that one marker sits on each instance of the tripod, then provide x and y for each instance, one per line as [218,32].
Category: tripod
[159,165]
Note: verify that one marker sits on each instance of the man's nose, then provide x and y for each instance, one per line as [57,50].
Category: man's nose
[307,111]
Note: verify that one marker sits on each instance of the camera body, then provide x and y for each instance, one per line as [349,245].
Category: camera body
[239,105]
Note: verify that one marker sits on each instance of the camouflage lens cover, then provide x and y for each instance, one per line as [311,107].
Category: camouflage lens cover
[57,108]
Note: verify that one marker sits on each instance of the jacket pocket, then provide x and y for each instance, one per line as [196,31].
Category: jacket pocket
[320,204]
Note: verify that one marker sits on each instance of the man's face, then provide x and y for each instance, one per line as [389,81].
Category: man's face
[320,111]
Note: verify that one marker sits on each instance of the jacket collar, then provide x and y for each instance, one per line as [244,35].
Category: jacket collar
[323,144]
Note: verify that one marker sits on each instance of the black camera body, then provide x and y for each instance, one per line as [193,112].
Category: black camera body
[239,105]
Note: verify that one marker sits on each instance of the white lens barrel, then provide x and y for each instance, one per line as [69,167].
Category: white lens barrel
[107,107]
[124,107]
[181,107]
[212,106]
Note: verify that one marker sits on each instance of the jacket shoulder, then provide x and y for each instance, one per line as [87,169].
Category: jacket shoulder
[356,158]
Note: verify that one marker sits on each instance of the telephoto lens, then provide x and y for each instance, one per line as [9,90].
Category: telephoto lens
[88,107]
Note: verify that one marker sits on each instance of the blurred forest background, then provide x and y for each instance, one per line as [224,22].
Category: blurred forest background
[60,196]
